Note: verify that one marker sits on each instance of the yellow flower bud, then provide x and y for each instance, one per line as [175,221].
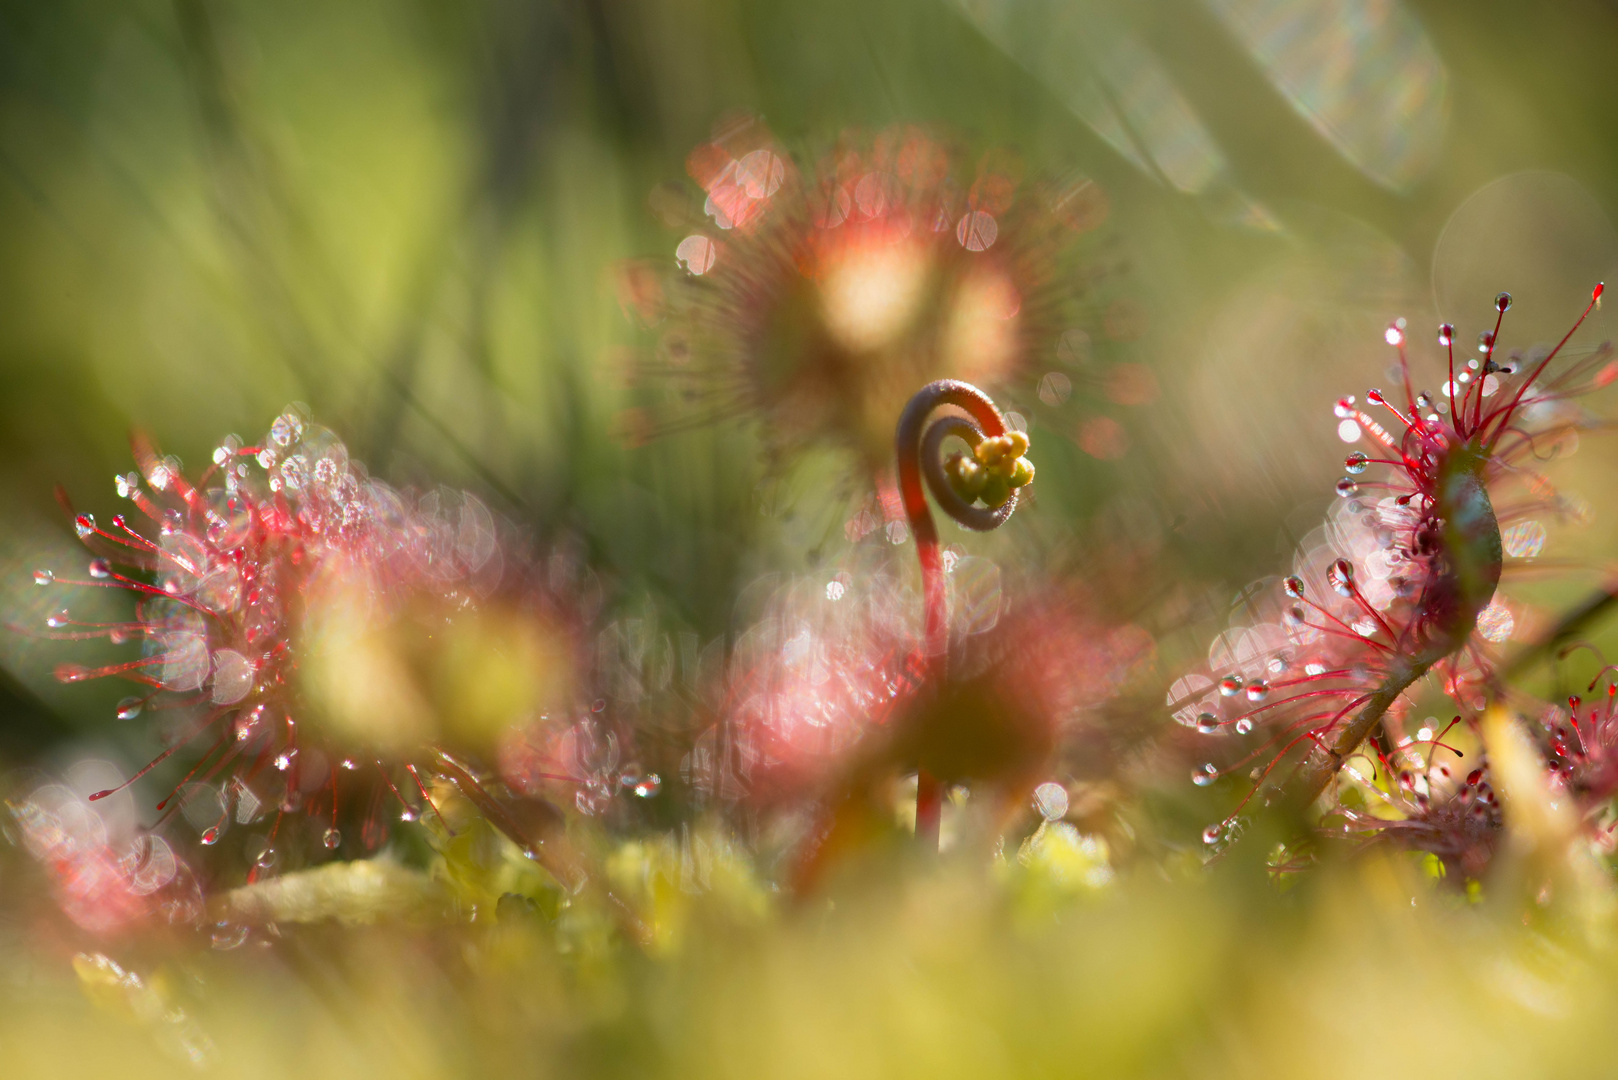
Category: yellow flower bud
[996,492]
[966,476]
[1022,473]
[992,451]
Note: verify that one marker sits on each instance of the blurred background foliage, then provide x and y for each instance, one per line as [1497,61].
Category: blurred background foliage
[414,216]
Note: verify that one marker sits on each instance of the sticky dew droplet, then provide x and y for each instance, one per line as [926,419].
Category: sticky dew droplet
[1357,462]
[43,577]
[331,838]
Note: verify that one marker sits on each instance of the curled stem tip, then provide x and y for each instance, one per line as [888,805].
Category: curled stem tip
[977,488]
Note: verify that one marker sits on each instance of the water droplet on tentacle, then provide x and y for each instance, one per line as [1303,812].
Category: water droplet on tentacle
[43,577]
[1357,462]
[1230,685]
[1446,334]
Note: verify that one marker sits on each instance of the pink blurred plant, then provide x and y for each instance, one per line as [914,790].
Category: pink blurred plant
[816,295]
[287,604]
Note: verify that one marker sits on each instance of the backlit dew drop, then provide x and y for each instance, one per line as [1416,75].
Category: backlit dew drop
[210,835]
[1293,585]
[1257,690]
[1244,725]
[407,814]
[1357,462]
[1485,341]
[1502,303]
[696,253]
[1345,407]
[43,577]
[1346,487]
[1207,723]
[1374,396]
[1341,577]
[649,785]
[130,707]
[84,525]
[331,839]
[1050,799]
[1394,334]
[267,858]
[58,620]
[70,673]
[1202,778]
[1230,685]
[100,569]
[1446,334]
[1210,834]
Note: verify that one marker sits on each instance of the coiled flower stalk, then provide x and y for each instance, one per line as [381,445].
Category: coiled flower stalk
[978,489]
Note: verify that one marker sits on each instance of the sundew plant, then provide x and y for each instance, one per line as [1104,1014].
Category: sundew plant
[920,539]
